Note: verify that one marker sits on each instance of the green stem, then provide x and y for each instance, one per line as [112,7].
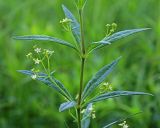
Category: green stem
[80,93]
[48,63]
[82,69]
[82,31]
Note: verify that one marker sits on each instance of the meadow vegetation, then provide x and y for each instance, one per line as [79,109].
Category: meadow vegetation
[27,103]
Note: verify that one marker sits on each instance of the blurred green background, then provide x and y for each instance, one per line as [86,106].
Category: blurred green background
[25,103]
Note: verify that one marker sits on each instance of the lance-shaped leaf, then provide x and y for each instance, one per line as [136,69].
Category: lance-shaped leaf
[74,24]
[116,94]
[44,38]
[116,36]
[67,105]
[62,87]
[120,120]
[55,84]
[85,122]
[98,78]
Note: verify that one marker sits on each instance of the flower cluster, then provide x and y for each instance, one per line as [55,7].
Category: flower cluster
[39,56]
[111,28]
[92,110]
[66,24]
[105,87]
[124,125]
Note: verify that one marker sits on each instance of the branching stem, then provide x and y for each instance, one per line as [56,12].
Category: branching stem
[82,68]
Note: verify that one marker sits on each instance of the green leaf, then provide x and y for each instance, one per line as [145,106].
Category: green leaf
[85,122]
[116,36]
[120,120]
[59,84]
[98,78]
[55,84]
[67,105]
[44,38]
[74,24]
[116,94]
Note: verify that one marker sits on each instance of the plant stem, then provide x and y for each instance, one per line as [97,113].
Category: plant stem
[82,68]
[82,31]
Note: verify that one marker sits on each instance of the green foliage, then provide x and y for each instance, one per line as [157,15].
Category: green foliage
[119,120]
[75,27]
[86,116]
[50,81]
[24,104]
[67,105]
[116,94]
[98,78]
[114,37]
[95,81]
[44,38]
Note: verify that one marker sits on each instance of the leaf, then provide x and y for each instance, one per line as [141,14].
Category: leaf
[120,120]
[98,78]
[116,94]
[63,88]
[74,24]
[67,105]
[44,38]
[55,84]
[85,122]
[116,36]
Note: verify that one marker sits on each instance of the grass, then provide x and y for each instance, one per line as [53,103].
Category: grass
[23,103]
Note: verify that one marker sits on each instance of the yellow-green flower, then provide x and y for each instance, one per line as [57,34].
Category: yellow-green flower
[29,55]
[66,20]
[124,125]
[36,61]
[34,76]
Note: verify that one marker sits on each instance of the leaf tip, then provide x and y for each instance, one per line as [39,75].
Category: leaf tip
[118,59]
[63,6]
[14,37]
[144,29]
[150,94]
[60,110]
[19,71]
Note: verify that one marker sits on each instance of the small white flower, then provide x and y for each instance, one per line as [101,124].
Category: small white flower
[106,84]
[124,125]
[37,50]
[65,20]
[34,76]
[93,115]
[37,61]
[33,69]
[110,88]
[83,111]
